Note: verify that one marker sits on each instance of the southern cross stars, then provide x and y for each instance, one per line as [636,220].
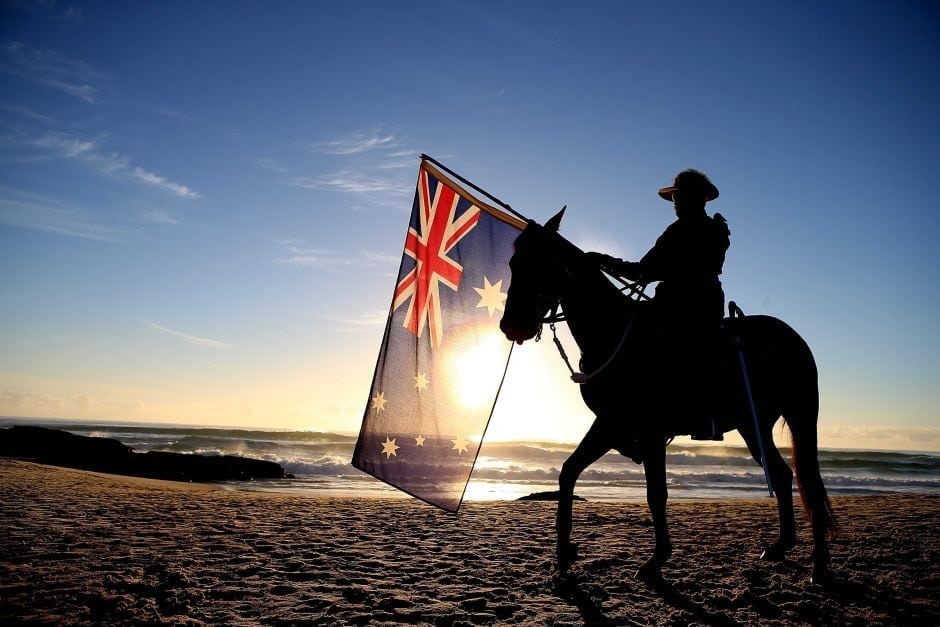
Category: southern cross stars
[460,445]
[421,381]
[389,447]
[378,401]
[491,296]
[419,441]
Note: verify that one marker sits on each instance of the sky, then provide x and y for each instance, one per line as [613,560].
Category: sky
[203,205]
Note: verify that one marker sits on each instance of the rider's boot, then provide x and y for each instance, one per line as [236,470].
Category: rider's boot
[707,424]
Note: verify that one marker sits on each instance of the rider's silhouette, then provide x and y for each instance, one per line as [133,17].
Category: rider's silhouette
[689,302]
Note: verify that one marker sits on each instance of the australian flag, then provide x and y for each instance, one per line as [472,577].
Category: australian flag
[443,357]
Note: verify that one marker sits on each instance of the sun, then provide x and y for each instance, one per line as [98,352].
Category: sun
[477,370]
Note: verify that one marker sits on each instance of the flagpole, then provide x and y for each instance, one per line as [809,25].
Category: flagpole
[499,202]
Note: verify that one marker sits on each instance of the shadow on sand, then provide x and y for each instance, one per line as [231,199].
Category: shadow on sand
[587,597]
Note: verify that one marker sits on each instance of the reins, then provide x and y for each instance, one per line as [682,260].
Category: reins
[632,289]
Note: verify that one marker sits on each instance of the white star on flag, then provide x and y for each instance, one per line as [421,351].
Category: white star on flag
[491,296]
[460,445]
[421,381]
[378,401]
[389,447]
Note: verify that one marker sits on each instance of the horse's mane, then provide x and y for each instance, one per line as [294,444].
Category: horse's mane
[574,259]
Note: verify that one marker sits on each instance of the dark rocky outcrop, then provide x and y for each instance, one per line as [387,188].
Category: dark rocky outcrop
[547,496]
[61,448]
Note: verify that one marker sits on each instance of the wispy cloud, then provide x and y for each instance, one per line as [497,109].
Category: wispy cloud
[270,165]
[90,153]
[29,113]
[63,146]
[359,322]
[355,182]
[297,253]
[355,144]
[158,216]
[512,29]
[51,69]
[162,182]
[370,165]
[34,211]
[192,339]
[15,402]
[884,437]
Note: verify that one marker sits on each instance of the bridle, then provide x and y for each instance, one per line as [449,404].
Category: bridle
[552,305]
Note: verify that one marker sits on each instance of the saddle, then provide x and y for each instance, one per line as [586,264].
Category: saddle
[701,398]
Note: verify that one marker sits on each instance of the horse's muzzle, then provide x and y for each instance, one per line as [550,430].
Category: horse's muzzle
[515,332]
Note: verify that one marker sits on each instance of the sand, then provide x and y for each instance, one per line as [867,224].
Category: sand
[85,547]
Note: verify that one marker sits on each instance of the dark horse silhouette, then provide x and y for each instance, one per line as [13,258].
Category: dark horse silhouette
[548,272]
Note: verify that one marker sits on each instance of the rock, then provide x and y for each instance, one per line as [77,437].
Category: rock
[61,448]
[546,496]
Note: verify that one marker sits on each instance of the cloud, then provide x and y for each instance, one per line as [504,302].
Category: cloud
[12,402]
[51,69]
[34,211]
[162,182]
[355,182]
[881,437]
[65,147]
[29,113]
[367,164]
[359,322]
[512,29]
[270,165]
[355,144]
[300,254]
[158,216]
[192,339]
[90,153]
[93,404]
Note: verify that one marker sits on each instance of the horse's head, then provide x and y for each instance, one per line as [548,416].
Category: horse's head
[540,268]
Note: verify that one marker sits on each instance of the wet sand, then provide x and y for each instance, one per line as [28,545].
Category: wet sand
[80,547]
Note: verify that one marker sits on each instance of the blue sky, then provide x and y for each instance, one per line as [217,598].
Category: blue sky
[202,205]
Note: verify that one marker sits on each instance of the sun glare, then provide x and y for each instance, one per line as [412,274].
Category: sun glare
[477,370]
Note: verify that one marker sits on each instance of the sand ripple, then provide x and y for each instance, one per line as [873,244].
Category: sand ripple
[82,547]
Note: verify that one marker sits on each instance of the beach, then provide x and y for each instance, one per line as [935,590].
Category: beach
[82,547]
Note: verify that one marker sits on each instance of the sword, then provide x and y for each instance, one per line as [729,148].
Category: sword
[750,400]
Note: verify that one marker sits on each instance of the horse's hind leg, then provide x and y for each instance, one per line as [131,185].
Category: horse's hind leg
[781,478]
[595,444]
[654,466]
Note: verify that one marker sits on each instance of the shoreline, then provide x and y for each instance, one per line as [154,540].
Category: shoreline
[82,546]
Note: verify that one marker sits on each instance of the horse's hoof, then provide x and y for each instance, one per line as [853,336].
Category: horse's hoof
[774,553]
[777,551]
[649,572]
[567,554]
[662,553]
[823,577]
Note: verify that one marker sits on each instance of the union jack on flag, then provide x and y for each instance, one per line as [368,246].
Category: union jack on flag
[438,232]
[442,357]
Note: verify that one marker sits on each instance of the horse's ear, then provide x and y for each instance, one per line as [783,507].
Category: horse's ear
[555,220]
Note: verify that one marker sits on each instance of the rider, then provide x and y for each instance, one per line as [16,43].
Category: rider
[689,302]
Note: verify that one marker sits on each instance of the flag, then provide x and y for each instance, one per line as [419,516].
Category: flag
[443,357]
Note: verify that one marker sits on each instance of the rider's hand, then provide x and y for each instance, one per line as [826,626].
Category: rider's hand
[599,259]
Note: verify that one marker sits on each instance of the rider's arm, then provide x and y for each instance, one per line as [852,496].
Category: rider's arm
[615,266]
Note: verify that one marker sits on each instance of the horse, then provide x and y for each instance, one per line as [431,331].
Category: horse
[548,272]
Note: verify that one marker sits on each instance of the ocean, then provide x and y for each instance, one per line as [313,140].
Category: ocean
[321,465]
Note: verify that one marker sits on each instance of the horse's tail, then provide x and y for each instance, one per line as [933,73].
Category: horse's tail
[806,462]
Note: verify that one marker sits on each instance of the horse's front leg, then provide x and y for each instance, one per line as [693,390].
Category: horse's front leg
[654,465]
[592,447]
